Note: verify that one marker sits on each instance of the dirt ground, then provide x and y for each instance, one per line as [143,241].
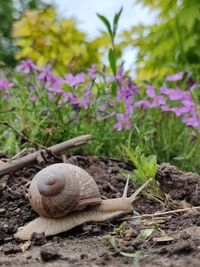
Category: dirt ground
[166,240]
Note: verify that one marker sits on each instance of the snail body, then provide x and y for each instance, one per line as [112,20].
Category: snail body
[85,208]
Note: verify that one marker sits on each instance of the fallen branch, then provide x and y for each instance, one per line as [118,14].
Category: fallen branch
[30,158]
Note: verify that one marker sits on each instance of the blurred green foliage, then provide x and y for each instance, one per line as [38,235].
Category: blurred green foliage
[46,38]
[172,43]
[10,10]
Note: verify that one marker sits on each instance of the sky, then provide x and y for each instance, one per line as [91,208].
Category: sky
[84,12]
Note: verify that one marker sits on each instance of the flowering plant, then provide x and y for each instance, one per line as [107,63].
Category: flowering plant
[113,108]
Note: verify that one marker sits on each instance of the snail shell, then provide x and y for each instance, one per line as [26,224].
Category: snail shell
[61,188]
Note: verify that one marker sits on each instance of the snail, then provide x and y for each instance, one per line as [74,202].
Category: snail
[66,196]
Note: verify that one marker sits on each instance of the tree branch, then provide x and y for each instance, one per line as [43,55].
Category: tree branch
[55,150]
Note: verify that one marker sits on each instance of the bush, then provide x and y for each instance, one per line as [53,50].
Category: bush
[45,38]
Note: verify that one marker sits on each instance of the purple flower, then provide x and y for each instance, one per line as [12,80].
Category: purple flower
[45,75]
[26,66]
[110,79]
[33,98]
[165,108]
[144,103]
[92,71]
[74,80]
[5,84]
[150,91]
[51,96]
[178,111]
[193,121]
[85,100]
[158,101]
[176,94]
[52,82]
[82,102]
[175,77]
[79,78]
[120,75]
[123,122]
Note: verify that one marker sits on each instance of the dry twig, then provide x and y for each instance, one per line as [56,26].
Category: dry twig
[54,150]
[163,213]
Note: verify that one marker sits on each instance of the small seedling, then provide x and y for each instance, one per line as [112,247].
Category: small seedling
[120,230]
[146,168]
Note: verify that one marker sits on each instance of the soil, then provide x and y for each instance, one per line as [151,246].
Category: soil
[171,239]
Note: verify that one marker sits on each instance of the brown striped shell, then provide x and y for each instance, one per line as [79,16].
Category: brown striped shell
[62,188]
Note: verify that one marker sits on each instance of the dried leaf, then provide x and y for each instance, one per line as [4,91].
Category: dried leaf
[25,246]
[145,233]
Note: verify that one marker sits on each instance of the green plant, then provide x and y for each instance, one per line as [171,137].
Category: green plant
[45,38]
[171,43]
[112,30]
[146,168]
[162,118]
[9,11]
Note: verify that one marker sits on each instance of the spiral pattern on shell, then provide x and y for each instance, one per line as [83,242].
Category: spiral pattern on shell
[62,188]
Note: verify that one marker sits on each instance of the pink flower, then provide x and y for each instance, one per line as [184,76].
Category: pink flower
[26,66]
[52,82]
[178,111]
[123,122]
[144,103]
[45,74]
[157,101]
[175,77]
[92,71]
[82,102]
[5,84]
[33,98]
[73,80]
[120,75]
[193,121]
[176,94]
[150,91]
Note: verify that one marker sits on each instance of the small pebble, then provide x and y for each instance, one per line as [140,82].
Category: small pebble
[2,210]
[48,253]
[83,256]
[38,239]
[29,257]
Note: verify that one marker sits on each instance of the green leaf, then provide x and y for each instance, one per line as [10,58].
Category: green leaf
[116,20]
[112,60]
[117,16]
[145,233]
[114,89]
[106,23]
[130,255]
[113,242]
[152,165]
